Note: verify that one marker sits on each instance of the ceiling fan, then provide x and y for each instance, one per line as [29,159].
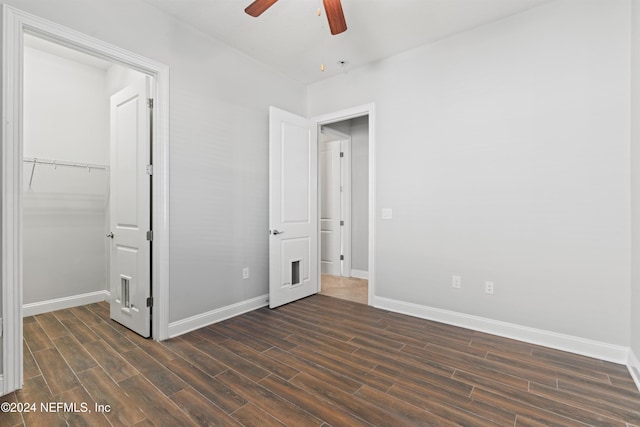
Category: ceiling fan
[333,9]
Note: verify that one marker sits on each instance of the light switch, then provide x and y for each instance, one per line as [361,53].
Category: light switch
[387,213]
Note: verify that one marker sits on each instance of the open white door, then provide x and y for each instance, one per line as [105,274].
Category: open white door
[130,216]
[293,207]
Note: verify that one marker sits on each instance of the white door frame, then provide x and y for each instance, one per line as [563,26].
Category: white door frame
[351,113]
[14,24]
[345,199]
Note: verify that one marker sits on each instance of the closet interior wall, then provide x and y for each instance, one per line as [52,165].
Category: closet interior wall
[65,209]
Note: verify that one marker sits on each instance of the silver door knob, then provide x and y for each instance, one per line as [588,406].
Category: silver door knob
[276,232]
[110,235]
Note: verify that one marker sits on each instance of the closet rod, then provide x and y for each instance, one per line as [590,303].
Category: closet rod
[65,164]
[56,163]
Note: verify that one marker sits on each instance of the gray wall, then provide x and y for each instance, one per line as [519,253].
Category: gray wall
[504,154]
[635,180]
[360,193]
[218,148]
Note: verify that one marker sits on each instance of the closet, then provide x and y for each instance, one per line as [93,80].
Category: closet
[66,175]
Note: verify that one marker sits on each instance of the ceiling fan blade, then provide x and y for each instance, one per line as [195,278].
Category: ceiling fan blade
[256,8]
[335,15]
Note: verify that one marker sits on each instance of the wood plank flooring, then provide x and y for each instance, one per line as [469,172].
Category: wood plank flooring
[320,361]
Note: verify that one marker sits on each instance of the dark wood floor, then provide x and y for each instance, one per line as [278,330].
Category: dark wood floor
[320,361]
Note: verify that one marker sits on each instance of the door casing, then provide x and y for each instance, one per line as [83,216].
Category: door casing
[14,24]
[346,114]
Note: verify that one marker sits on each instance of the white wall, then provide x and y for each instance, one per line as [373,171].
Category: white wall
[218,146]
[119,77]
[504,154]
[635,182]
[66,118]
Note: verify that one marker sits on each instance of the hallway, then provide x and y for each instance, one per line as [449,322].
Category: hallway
[347,288]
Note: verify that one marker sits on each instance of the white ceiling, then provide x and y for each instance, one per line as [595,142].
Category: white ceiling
[292,39]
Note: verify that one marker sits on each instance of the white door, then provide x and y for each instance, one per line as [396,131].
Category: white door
[293,207]
[330,208]
[130,216]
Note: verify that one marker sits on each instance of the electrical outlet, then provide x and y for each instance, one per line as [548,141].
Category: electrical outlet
[456,282]
[245,273]
[489,288]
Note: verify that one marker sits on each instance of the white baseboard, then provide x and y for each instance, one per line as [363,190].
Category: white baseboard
[633,364]
[585,347]
[200,320]
[34,308]
[360,274]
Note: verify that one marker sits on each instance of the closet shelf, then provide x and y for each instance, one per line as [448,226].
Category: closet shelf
[56,163]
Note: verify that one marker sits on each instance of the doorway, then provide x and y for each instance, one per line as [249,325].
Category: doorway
[17,25]
[67,175]
[294,208]
[86,141]
[344,207]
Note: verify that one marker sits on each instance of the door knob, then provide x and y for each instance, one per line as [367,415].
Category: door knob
[110,235]
[276,232]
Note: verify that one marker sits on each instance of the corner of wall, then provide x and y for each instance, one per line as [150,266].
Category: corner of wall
[32,309]
[214,316]
[634,300]
[633,364]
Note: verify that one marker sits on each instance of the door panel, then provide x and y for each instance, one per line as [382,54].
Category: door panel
[330,208]
[130,216]
[126,159]
[293,208]
[294,148]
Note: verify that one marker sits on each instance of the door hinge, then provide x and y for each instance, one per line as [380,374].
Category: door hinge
[341,190]
[1,328]
[150,102]
[341,257]
[149,169]
[342,154]
[341,222]
[150,302]
[150,235]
